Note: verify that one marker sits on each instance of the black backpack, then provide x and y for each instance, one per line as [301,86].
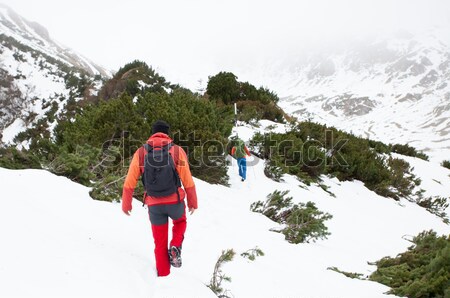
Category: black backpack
[160,178]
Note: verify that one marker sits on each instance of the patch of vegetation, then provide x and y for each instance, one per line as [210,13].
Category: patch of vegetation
[252,253]
[273,172]
[19,57]
[436,205]
[254,104]
[309,150]
[348,274]
[133,79]
[422,271]
[446,164]
[218,276]
[12,100]
[253,111]
[12,158]
[301,222]
[118,127]
[71,74]
[408,151]
[96,135]
[38,134]
[326,189]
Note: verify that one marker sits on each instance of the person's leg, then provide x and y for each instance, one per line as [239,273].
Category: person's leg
[177,212]
[242,163]
[160,229]
[239,161]
[162,259]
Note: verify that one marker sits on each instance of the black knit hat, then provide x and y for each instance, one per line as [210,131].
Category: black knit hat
[160,126]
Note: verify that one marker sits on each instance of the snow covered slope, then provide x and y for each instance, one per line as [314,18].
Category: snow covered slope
[38,77]
[393,89]
[57,242]
[36,36]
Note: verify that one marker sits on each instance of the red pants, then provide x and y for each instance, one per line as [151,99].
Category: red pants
[160,227]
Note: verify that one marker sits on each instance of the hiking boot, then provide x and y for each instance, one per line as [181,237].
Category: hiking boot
[175,256]
[242,179]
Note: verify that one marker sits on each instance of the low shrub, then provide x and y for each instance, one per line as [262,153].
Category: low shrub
[422,271]
[301,222]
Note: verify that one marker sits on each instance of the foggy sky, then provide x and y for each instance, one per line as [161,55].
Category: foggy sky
[205,35]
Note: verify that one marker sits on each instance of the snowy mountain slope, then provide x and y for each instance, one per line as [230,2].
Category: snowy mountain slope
[26,92]
[57,242]
[36,36]
[394,89]
[38,76]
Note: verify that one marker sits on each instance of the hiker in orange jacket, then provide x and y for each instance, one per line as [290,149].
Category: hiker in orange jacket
[160,208]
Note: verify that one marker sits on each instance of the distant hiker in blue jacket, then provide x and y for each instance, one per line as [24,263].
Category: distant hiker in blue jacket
[240,152]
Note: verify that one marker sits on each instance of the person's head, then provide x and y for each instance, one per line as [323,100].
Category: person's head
[160,126]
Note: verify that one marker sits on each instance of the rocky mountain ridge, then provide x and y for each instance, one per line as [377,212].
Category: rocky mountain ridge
[39,77]
[394,90]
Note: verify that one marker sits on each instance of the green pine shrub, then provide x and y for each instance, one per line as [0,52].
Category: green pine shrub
[218,276]
[110,174]
[122,125]
[99,125]
[254,110]
[38,134]
[379,147]
[273,172]
[446,164]
[253,104]
[200,126]
[436,205]
[77,165]
[302,222]
[252,253]
[401,178]
[408,151]
[422,271]
[133,79]
[290,153]
[306,223]
[309,150]
[13,158]
[224,87]
[348,274]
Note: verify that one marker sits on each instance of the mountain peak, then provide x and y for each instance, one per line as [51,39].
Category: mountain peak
[13,21]
[36,36]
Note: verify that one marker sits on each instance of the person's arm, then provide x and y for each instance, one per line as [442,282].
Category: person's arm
[246,151]
[186,178]
[130,183]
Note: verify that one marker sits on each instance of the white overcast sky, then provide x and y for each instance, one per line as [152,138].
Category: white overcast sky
[209,34]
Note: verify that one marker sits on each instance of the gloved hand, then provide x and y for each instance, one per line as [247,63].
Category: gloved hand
[126,208]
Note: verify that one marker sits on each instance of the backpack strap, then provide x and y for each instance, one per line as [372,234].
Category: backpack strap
[177,176]
[142,151]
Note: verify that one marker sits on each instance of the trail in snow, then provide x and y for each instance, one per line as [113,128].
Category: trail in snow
[57,242]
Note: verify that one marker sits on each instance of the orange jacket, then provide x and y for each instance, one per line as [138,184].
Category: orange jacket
[181,164]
